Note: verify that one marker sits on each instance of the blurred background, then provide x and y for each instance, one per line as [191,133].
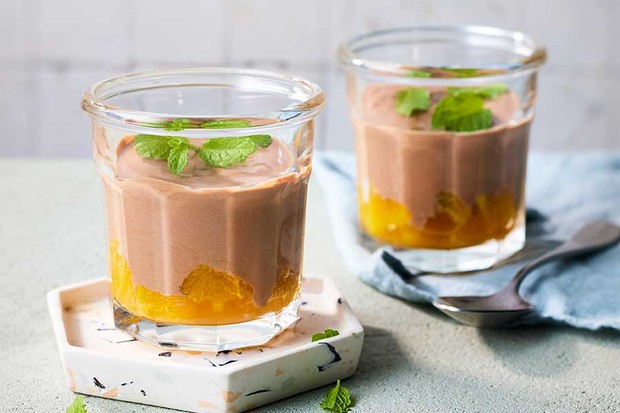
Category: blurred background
[53,50]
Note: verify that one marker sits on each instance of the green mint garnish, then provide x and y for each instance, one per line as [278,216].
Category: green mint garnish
[325,334]
[77,406]
[225,124]
[462,113]
[486,92]
[225,152]
[337,400]
[464,72]
[178,155]
[418,73]
[411,100]
[216,152]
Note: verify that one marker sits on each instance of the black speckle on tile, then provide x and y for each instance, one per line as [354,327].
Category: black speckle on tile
[123,384]
[165,354]
[261,350]
[239,352]
[304,302]
[336,356]
[223,352]
[212,363]
[257,392]
[228,362]
[125,341]
[143,392]
[340,300]
[98,383]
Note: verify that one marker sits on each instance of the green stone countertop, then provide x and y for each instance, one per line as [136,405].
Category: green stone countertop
[414,359]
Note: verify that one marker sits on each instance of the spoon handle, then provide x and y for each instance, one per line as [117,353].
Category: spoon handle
[592,237]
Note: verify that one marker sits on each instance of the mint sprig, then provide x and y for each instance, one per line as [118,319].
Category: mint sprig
[325,334]
[77,406]
[215,152]
[337,400]
[419,73]
[411,100]
[225,124]
[462,113]
[485,92]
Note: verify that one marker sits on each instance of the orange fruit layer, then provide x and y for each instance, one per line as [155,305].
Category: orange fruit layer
[206,297]
[454,224]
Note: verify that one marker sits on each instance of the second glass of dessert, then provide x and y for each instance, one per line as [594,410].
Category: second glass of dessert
[441,118]
[205,174]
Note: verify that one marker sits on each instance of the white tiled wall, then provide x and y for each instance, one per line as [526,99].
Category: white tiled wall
[52,50]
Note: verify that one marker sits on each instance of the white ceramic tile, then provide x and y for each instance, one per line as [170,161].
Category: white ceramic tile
[575,113]
[278,30]
[18,25]
[339,132]
[101,361]
[185,32]
[17,114]
[63,129]
[577,34]
[90,31]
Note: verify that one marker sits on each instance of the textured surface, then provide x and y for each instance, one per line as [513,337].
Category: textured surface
[59,48]
[414,360]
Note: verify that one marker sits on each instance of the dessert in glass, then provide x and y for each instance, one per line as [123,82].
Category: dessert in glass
[441,118]
[205,174]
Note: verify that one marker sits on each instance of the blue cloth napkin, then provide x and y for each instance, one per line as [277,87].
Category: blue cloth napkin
[563,193]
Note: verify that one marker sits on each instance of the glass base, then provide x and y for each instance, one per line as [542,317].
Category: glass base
[478,257]
[207,338]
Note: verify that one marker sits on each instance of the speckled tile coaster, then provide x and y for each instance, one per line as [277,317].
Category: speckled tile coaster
[99,360]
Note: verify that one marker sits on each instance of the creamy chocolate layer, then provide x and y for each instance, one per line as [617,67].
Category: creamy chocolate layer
[247,220]
[402,159]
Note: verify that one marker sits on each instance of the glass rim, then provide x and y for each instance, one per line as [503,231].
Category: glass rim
[94,100]
[349,57]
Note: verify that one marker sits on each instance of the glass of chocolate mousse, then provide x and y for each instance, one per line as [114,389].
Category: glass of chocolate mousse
[441,118]
[204,173]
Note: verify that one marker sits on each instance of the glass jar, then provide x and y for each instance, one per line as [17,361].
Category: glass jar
[441,118]
[205,174]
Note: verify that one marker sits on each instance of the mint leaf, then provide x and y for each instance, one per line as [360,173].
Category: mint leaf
[178,124]
[261,140]
[225,152]
[226,124]
[77,406]
[418,73]
[326,334]
[337,400]
[179,154]
[486,92]
[152,146]
[462,113]
[411,100]
[462,72]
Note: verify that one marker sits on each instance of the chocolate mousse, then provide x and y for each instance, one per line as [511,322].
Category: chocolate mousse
[427,188]
[208,245]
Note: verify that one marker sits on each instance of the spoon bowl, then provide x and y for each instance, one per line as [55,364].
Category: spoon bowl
[506,305]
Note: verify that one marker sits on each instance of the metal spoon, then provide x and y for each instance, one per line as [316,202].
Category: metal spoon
[506,305]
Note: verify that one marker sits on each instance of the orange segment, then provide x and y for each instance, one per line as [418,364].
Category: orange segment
[207,296]
[454,224]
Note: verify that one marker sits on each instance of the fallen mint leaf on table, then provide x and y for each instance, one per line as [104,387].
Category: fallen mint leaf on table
[325,334]
[462,113]
[337,400]
[77,406]
[486,92]
[411,100]
[226,124]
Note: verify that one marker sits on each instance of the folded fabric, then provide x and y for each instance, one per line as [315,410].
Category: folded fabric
[564,191]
